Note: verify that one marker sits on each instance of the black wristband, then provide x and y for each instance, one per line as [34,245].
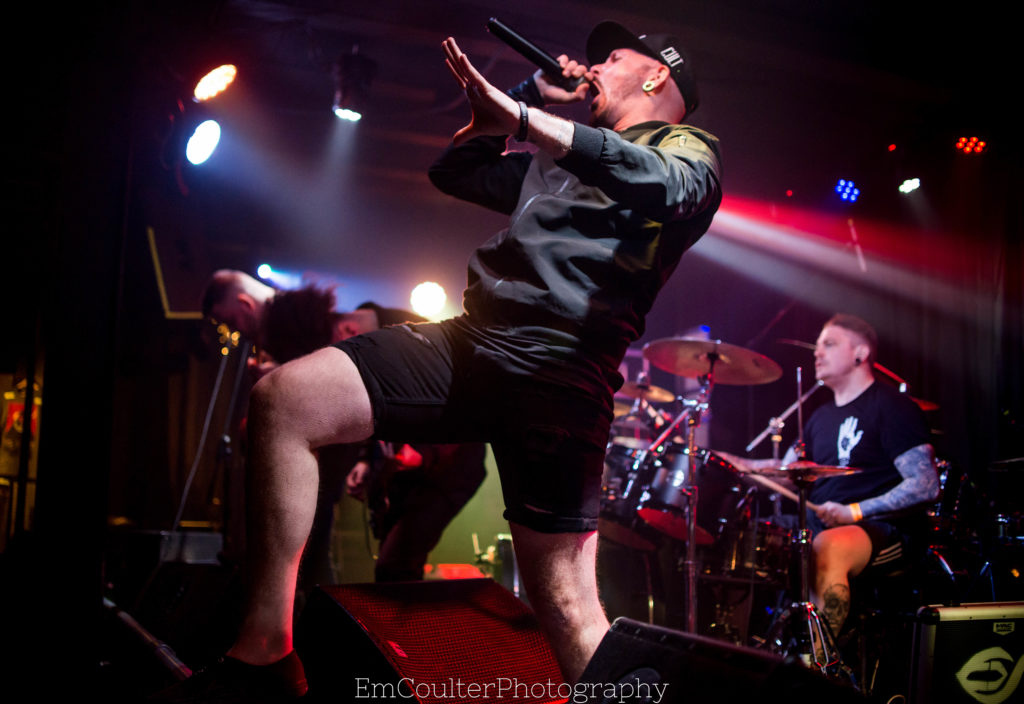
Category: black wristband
[524,122]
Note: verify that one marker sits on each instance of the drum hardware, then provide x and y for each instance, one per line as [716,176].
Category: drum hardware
[645,392]
[695,358]
[900,382]
[775,425]
[628,464]
[756,552]
[664,500]
[620,409]
[710,362]
[650,478]
[803,618]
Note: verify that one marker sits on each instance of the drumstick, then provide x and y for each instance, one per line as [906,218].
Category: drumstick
[775,486]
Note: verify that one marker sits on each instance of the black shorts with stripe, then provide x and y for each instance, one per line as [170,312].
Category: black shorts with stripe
[894,541]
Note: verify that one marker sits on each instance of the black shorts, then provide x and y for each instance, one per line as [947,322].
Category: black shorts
[892,543]
[433,383]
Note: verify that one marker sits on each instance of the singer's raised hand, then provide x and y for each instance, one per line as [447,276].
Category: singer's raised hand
[494,113]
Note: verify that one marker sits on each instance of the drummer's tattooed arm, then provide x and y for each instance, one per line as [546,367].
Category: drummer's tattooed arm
[920,483]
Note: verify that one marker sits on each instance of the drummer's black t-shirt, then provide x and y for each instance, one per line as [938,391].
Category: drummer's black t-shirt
[867,433]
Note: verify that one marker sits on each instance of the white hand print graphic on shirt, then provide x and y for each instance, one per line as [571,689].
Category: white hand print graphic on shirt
[849,436]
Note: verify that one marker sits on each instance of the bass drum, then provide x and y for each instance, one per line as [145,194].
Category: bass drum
[758,551]
[719,494]
[622,486]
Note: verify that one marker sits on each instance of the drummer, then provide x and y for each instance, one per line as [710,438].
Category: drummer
[868,518]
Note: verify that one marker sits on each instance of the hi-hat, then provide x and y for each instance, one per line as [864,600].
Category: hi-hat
[695,357]
[808,471]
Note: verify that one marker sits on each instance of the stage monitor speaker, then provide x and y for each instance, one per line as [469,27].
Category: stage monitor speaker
[463,640]
[968,654]
[637,662]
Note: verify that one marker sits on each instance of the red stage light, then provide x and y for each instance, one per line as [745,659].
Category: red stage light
[971,145]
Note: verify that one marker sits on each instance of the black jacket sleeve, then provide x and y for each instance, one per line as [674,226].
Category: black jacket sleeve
[481,171]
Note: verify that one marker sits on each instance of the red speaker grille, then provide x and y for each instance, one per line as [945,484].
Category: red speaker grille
[466,640]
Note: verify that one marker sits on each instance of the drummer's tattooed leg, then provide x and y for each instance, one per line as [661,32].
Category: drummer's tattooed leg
[835,605]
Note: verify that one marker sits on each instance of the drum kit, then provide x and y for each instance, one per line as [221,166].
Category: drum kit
[660,486]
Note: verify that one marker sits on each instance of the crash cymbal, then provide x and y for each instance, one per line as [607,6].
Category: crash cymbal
[648,392]
[925,405]
[692,357]
[808,471]
[621,409]
[796,343]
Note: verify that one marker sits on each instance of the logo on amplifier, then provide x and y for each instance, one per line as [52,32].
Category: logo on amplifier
[991,676]
[1003,627]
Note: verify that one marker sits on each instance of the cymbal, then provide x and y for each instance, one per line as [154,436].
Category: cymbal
[692,357]
[629,425]
[648,392]
[796,343]
[808,471]
[925,405]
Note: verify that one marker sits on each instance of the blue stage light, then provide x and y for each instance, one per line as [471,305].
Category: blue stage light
[847,190]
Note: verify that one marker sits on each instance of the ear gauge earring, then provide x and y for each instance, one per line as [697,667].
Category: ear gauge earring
[857,361]
[647,87]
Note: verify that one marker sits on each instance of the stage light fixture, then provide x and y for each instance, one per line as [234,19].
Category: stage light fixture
[280,279]
[203,142]
[847,190]
[910,185]
[971,145]
[353,73]
[215,82]
[428,299]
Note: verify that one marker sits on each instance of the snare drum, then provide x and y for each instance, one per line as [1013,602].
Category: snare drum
[756,550]
[719,492]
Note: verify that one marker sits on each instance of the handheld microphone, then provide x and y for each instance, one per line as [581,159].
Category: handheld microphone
[537,56]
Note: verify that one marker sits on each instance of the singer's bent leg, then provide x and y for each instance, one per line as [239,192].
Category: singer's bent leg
[560,575]
[313,401]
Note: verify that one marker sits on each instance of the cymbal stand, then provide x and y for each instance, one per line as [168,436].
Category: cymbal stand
[803,619]
[693,411]
[778,420]
[808,625]
[690,565]
[801,448]
[776,425]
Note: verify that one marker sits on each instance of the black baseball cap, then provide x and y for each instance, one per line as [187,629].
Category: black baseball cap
[608,36]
